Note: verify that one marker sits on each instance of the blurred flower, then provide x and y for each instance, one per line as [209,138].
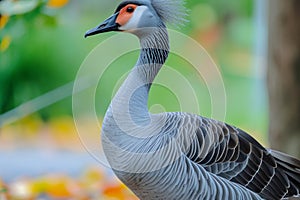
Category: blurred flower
[4,43]
[21,190]
[57,3]
[3,20]
[12,7]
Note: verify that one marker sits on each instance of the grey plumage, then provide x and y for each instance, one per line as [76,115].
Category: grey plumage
[181,155]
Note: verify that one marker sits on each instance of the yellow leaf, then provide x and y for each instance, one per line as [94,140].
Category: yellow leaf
[4,44]
[57,3]
[58,187]
[3,20]
[93,175]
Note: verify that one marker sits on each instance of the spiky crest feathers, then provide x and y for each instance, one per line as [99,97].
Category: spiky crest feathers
[170,11]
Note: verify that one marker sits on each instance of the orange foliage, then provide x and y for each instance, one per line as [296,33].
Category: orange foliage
[59,188]
[118,192]
[3,21]
[94,184]
[57,3]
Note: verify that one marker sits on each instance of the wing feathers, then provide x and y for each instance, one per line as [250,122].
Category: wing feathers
[233,154]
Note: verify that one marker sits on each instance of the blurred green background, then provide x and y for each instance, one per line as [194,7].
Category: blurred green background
[42,47]
[46,47]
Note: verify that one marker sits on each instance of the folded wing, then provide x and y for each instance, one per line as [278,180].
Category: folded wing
[233,154]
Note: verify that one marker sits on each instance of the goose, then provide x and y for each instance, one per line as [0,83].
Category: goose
[177,155]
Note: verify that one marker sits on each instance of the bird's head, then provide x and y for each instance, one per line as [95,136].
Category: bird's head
[134,16]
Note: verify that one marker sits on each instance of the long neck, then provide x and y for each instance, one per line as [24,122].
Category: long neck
[131,100]
[154,52]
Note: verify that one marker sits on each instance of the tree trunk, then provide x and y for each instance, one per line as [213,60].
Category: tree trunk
[284,75]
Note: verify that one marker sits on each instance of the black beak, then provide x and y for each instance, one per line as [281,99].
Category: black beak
[106,26]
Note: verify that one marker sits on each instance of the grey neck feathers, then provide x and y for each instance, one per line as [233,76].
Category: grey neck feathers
[131,101]
[154,53]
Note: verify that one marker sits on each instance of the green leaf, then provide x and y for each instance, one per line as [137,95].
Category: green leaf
[3,190]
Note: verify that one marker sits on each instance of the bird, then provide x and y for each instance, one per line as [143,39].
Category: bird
[178,155]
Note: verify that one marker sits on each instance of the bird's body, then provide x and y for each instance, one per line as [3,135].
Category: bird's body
[181,155]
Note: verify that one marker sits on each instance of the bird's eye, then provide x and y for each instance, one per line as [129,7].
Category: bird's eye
[130,9]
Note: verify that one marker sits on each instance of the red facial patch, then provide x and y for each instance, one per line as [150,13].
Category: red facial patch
[125,14]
